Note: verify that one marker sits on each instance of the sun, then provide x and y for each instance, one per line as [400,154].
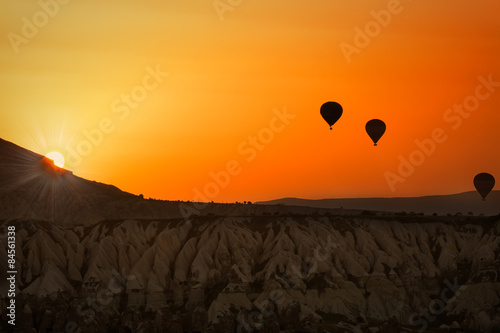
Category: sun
[57,158]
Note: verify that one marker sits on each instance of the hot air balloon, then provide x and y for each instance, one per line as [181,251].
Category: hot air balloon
[331,112]
[375,129]
[484,183]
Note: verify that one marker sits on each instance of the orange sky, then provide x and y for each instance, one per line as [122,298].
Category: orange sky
[68,66]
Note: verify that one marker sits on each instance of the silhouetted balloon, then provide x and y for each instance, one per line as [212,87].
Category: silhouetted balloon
[331,112]
[484,183]
[375,129]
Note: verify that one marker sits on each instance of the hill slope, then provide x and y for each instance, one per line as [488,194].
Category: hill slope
[32,187]
[439,204]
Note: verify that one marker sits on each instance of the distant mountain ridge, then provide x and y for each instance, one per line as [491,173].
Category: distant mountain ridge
[440,204]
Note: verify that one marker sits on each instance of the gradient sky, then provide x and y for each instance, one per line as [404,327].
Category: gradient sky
[229,74]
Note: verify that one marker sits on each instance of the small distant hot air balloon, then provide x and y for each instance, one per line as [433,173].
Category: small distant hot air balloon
[484,183]
[375,129]
[331,112]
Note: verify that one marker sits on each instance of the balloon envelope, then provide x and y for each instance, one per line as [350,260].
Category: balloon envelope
[484,183]
[375,129]
[331,112]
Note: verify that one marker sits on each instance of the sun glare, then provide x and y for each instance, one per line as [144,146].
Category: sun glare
[57,158]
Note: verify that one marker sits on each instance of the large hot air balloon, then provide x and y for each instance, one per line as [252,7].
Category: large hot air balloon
[484,183]
[331,112]
[375,129]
